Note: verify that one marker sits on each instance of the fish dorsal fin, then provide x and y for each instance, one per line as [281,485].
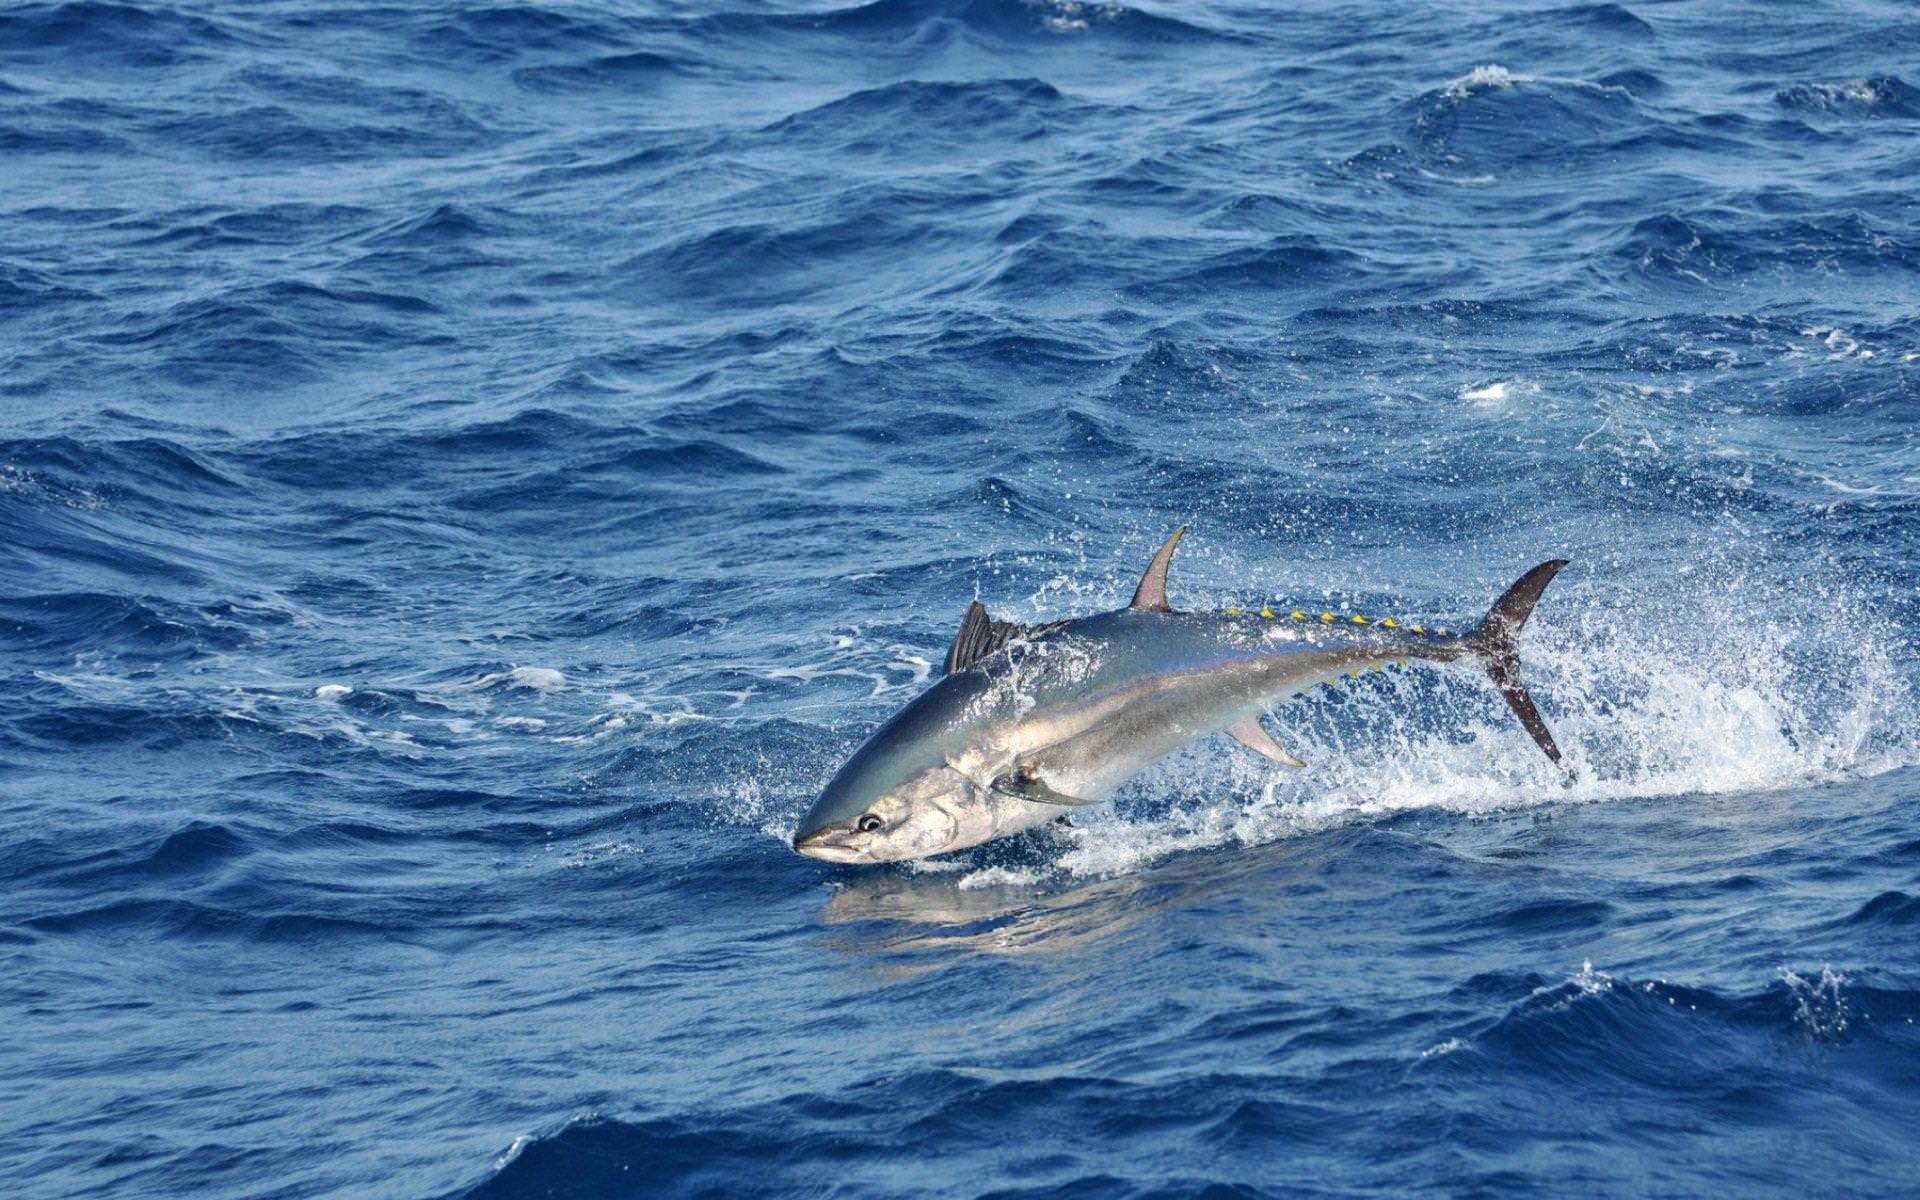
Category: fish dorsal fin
[980,635]
[975,628]
[1151,595]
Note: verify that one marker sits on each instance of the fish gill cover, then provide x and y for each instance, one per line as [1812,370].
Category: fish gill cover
[470,474]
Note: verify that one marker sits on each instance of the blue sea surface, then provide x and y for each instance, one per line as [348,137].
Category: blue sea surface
[469,473]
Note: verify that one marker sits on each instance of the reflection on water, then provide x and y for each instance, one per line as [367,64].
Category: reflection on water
[915,920]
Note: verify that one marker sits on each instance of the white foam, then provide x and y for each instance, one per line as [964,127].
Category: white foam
[1493,75]
[1818,1005]
[1839,345]
[1074,16]
[988,877]
[505,1158]
[1589,982]
[539,679]
[331,691]
[1864,92]
[536,679]
[1456,180]
[13,479]
[934,866]
[1497,393]
[903,660]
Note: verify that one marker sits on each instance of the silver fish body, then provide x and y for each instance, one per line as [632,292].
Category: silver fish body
[1048,719]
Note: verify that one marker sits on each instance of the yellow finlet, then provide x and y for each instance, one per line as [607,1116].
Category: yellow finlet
[1389,622]
[1297,615]
[1419,628]
[1267,613]
[1358,619]
[1326,616]
[1233,610]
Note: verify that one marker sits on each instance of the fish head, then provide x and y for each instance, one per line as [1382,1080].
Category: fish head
[919,785]
[860,819]
[900,795]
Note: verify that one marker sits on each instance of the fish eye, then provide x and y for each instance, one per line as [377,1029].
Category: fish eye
[867,823]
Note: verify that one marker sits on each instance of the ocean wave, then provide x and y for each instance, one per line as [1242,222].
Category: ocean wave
[1611,19]
[1879,96]
[198,848]
[501,32]
[1495,122]
[192,921]
[23,287]
[1282,263]
[1012,19]
[111,35]
[1624,1041]
[633,68]
[149,467]
[1888,908]
[866,120]
[1607,1030]
[63,625]
[275,331]
[1704,247]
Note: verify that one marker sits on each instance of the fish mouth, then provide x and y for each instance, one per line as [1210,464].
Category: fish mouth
[824,844]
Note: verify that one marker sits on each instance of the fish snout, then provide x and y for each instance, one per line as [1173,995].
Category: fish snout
[827,844]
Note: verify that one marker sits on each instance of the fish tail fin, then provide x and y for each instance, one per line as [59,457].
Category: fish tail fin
[1496,644]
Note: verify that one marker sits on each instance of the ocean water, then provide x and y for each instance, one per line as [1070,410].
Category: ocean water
[470,473]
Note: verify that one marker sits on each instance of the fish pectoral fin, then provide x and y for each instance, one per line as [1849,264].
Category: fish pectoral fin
[1022,784]
[1254,736]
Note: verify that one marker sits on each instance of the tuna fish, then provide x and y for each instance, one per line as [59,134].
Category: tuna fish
[1029,722]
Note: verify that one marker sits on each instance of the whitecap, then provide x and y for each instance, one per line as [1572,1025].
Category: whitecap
[1491,395]
[1493,75]
[1819,1006]
[539,679]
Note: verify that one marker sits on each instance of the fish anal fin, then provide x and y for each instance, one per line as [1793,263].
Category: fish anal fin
[1022,784]
[1254,736]
[1151,595]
